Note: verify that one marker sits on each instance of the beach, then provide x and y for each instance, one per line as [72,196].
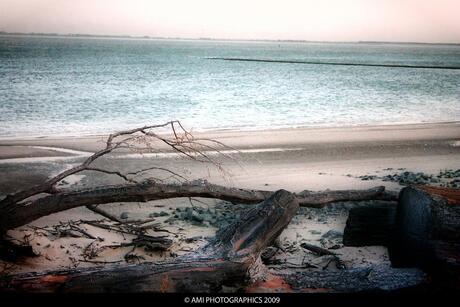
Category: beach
[274,157]
[298,159]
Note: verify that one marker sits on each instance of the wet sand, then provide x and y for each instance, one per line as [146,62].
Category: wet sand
[293,159]
[276,138]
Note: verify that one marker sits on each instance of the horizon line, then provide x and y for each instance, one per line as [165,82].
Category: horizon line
[83,35]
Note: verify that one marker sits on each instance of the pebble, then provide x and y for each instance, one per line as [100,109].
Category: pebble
[158,214]
[408,178]
[222,215]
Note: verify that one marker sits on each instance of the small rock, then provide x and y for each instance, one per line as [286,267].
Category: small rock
[158,214]
[193,239]
[322,219]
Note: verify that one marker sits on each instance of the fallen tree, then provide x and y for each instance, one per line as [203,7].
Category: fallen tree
[232,259]
[22,213]
[30,204]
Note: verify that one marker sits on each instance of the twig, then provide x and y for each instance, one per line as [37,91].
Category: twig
[104,213]
[317,250]
[323,252]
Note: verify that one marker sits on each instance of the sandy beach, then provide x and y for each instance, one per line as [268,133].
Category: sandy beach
[292,159]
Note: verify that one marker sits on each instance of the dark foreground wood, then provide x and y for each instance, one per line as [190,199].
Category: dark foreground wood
[370,225]
[231,259]
[380,278]
[427,234]
[422,230]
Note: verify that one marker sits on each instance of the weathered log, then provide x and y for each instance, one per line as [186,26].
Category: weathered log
[427,234]
[232,258]
[422,218]
[370,225]
[379,278]
[18,214]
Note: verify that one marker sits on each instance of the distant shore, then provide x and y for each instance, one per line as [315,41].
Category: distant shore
[86,35]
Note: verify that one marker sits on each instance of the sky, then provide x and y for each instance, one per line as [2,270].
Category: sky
[315,20]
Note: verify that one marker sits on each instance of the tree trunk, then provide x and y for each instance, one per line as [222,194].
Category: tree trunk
[18,214]
[370,225]
[427,233]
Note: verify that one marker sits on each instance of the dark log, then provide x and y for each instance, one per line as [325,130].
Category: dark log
[422,218]
[370,225]
[427,234]
[232,258]
[368,279]
[18,214]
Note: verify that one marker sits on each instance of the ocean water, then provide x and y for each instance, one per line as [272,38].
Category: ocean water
[74,86]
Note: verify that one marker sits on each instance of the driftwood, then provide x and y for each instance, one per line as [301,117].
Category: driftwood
[421,220]
[317,250]
[427,233]
[370,225]
[15,215]
[422,230]
[232,259]
[140,140]
[368,279]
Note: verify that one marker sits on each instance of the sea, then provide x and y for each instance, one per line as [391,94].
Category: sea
[81,86]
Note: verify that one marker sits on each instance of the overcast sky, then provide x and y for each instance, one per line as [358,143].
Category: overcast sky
[323,20]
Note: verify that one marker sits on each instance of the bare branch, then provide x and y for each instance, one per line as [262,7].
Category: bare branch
[115,142]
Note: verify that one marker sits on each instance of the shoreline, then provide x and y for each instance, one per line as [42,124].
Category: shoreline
[277,138]
[242,130]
